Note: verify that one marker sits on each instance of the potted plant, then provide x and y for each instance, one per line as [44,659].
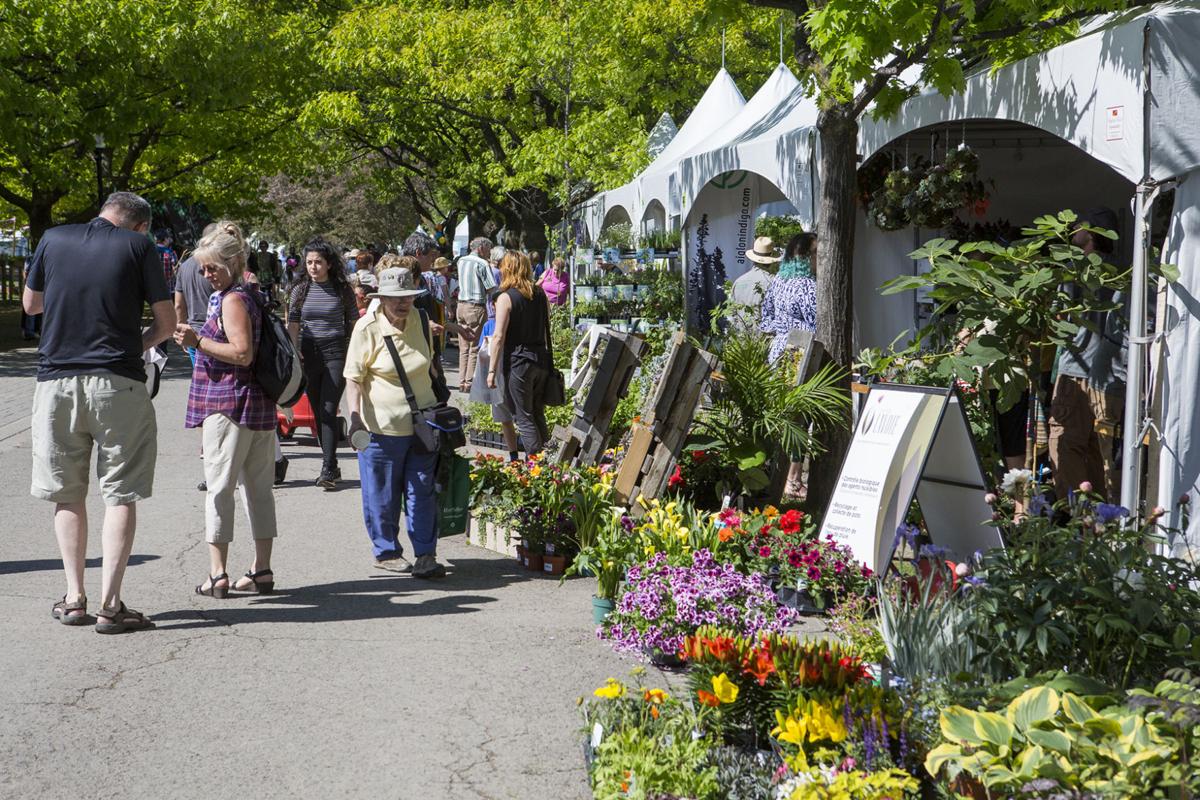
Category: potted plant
[663,604]
[584,292]
[607,558]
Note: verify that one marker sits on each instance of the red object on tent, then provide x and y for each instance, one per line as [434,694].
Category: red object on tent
[302,417]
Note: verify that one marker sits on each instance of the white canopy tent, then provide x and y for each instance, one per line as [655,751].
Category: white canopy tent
[720,102]
[772,137]
[1127,93]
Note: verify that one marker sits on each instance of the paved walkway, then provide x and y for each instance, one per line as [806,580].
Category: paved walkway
[348,682]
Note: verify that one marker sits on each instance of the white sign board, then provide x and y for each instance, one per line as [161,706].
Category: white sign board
[910,442]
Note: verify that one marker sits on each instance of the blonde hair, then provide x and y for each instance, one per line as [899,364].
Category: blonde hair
[386,261]
[516,273]
[226,246]
[409,263]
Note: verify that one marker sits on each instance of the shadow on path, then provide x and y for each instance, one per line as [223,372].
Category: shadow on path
[44,564]
[377,597]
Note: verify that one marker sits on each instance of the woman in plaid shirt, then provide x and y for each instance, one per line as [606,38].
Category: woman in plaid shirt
[237,417]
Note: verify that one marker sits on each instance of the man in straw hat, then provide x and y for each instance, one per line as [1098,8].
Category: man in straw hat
[750,288]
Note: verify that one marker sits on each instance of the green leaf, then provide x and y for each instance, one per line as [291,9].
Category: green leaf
[958,725]
[1057,741]
[942,755]
[1170,272]
[993,728]
[1031,761]
[1181,637]
[1033,706]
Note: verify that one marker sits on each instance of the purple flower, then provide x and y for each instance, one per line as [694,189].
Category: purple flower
[1108,512]
[1038,506]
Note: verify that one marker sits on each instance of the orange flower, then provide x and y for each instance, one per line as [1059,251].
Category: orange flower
[760,664]
[654,711]
[654,696]
[691,648]
[725,534]
[720,648]
[708,698]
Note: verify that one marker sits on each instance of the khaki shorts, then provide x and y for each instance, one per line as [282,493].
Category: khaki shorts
[115,413]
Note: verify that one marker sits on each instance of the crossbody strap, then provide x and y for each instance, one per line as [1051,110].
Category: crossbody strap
[549,340]
[409,394]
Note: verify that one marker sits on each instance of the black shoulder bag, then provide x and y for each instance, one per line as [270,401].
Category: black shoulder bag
[437,428]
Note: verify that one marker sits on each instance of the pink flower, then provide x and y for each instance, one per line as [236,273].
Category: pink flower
[764,551]
[1086,487]
[990,498]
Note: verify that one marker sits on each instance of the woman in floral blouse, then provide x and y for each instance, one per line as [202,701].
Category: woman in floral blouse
[791,301]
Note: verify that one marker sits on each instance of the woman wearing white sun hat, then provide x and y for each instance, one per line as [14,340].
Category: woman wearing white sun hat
[397,476]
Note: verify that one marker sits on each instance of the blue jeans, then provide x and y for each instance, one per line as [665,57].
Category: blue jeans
[396,480]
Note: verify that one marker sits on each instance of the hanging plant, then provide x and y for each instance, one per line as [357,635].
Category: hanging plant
[928,196]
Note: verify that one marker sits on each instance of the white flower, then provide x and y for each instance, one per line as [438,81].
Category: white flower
[1016,482]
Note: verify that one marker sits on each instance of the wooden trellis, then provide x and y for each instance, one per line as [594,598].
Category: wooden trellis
[611,367]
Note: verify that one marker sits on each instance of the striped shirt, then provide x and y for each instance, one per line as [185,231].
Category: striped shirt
[219,387]
[474,279]
[322,316]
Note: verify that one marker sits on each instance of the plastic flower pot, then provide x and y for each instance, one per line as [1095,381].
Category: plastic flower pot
[624,291]
[601,608]
[605,292]
[620,324]
[663,660]
[534,561]
[799,599]
[584,292]
[587,322]
[554,565]
[641,291]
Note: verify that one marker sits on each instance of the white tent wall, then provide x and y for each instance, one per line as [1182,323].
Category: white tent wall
[1033,174]
[1179,462]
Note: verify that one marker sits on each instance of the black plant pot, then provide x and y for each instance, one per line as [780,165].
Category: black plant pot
[486,439]
[663,660]
[800,600]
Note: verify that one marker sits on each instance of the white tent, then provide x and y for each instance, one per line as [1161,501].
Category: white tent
[720,102]
[771,137]
[1127,93]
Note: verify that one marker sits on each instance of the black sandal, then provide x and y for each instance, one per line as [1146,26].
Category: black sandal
[218,592]
[61,611]
[256,586]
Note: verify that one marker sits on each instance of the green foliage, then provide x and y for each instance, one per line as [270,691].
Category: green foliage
[855,621]
[662,241]
[1012,300]
[619,235]
[780,229]
[194,98]
[467,102]
[758,409]
[922,194]
[1047,735]
[1087,593]
[926,629]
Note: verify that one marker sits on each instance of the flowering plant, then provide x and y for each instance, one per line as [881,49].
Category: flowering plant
[673,528]
[663,604]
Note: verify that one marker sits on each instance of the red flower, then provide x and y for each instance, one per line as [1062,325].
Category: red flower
[760,665]
[720,648]
[698,455]
[676,479]
[764,551]
[708,698]
[790,522]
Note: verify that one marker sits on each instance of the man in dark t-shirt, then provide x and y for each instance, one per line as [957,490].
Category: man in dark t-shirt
[91,282]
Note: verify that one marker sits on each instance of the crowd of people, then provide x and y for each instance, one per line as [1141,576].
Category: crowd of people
[370,329]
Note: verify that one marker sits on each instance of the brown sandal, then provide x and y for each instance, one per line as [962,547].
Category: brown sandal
[121,620]
[61,611]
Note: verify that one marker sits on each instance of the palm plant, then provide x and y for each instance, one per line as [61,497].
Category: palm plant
[759,410]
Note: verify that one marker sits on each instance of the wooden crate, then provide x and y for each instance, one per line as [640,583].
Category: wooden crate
[613,363]
[667,417]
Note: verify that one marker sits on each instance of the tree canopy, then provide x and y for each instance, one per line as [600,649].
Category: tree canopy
[192,97]
[468,103]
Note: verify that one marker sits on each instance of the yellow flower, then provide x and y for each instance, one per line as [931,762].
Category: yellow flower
[654,696]
[725,689]
[824,724]
[790,729]
[770,512]
[535,471]
[611,690]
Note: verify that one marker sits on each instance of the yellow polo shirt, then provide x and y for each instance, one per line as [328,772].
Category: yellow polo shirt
[384,407]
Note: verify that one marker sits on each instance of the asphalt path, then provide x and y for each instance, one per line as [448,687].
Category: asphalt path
[347,682]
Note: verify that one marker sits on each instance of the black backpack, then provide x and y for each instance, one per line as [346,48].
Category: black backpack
[276,361]
[276,364]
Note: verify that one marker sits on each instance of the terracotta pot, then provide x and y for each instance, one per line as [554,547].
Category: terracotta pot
[533,561]
[554,565]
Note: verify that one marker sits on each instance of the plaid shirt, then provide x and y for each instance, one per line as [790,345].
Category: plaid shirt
[222,388]
[170,262]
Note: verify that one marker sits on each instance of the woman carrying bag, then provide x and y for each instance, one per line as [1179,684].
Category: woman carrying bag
[389,381]
[521,348]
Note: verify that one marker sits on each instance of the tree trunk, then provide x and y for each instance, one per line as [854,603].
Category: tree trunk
[838,131]
[41,217]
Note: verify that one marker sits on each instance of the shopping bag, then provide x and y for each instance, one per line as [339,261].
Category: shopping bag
[454,496]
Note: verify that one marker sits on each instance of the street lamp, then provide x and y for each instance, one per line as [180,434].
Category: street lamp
[103,153]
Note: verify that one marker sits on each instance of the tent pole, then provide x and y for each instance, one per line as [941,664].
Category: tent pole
[1131,463]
